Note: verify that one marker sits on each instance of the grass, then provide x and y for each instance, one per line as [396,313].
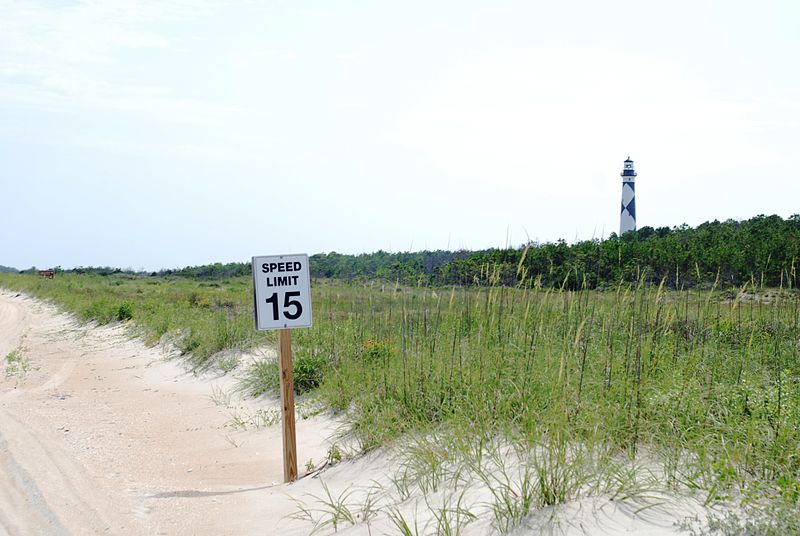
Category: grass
[705,384]
[452,515]
[772,519]
[17,363]
[330,510]
[263,375]
[201,318]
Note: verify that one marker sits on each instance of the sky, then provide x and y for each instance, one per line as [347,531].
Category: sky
[163,134]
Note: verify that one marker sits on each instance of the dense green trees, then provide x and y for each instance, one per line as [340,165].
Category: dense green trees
[763,250]
[412,268]
[212,271]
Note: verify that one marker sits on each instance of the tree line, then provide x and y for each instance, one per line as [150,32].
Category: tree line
[763,250]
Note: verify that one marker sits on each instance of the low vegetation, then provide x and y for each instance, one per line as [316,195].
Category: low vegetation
[583,388]
[16,363]
[200,318]
[705,383]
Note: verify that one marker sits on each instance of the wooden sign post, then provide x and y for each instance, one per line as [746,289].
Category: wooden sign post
[287,403]
[282,295]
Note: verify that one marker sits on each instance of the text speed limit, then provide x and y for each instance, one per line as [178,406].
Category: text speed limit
[282,288]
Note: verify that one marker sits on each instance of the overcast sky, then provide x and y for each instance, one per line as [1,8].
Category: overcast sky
[172,133]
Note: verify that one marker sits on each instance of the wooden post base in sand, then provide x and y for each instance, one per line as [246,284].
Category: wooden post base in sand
[287,404]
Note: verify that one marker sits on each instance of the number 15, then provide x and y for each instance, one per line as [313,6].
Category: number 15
[287,304]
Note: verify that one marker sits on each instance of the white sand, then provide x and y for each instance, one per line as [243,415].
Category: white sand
[103,435]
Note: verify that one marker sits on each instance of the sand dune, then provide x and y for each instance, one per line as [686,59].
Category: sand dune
[103,435]
[100,434]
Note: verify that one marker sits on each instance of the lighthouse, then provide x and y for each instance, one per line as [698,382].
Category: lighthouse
[627,216]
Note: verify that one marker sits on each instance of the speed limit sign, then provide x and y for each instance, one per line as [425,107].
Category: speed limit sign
[282,292]
[282,287]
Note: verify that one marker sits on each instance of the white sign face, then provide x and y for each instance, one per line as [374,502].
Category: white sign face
[282,291]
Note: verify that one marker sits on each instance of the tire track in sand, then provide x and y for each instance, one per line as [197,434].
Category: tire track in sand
[103,435]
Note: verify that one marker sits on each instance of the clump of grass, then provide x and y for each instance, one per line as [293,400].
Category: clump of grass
[260,418]
[227,361]
[124,311]
[404,525]
[309,371]
[375,350]
[190,342]
[329,510]
[452,516]
[775,518]
[17,363]
[263,376]
[514,496]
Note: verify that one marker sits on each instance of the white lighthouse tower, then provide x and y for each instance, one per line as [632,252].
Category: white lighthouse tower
[627,216]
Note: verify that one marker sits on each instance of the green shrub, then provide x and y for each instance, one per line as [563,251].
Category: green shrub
[101,311]
[376,350]
[190,342]
[124,311]
[261,378]
[264,376]
[309,371]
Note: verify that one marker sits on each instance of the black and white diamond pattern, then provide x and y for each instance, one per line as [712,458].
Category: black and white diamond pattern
[627,217]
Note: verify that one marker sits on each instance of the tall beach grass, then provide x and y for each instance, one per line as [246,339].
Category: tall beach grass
[702,385]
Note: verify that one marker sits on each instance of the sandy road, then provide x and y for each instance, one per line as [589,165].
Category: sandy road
[100,434]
